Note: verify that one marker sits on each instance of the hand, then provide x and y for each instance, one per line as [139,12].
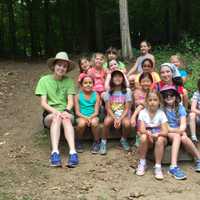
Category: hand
[66,115]
[149,135]
[89,120]
[117,123]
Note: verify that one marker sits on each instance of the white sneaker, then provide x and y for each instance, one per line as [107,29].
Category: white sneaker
[140,171]
[158,173]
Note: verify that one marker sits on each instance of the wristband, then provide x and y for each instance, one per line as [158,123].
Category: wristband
[69,111]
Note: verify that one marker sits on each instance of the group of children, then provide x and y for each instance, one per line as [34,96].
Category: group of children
[154,104]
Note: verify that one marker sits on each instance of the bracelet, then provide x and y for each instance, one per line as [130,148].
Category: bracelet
[69,111]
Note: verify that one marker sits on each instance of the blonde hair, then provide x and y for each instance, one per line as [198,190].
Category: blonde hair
[95,55]
[179,58]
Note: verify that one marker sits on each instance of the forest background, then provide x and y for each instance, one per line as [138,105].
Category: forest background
[40,28]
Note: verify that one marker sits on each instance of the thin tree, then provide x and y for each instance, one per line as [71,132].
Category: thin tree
[124,27]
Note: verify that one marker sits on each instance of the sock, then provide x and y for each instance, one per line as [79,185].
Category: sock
[172,166]
[54,151]
[72,152]
[103,141]
[157,165]
[143,162]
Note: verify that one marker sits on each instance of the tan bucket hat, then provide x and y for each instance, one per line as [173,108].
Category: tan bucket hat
[60,56]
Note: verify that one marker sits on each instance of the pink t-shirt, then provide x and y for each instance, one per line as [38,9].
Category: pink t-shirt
[99,79]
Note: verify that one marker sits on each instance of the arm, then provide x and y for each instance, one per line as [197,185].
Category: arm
[135,114]
[164,129]
[107,81]
[181,128]
[194,107]
[76,106]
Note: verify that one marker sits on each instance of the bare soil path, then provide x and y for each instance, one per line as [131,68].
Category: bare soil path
[24,169]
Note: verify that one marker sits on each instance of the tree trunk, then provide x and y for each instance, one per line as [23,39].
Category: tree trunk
[12,28]
[124,27]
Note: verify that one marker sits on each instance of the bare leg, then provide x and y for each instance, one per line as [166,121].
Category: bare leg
[69,133]
[159,149]
[95,128]
[126,127]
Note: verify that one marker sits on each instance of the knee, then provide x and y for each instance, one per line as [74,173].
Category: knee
[107,122]
[184,139]
[143,138]
[161,141]
[81,123]
[56,119]
[94,122]
[126,123]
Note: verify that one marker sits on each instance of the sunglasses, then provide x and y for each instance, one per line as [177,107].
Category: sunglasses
[169,94]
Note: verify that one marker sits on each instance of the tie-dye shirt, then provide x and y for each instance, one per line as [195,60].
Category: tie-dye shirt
[118,100]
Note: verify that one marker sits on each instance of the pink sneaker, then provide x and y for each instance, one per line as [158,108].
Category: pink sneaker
[158,173]
[140,171]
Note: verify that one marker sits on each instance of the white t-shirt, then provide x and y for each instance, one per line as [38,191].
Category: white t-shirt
[158,119]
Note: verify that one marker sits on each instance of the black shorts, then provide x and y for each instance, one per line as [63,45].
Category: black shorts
[44,114]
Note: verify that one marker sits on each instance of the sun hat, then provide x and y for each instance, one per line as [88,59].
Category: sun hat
[173,68]
[167,88]
[60,56]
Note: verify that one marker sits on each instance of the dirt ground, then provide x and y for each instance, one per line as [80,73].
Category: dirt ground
[24,168]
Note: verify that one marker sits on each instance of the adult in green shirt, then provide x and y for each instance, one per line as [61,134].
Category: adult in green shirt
[56,91]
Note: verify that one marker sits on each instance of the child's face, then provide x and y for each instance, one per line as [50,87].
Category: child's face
[176,61]
[60,68]
[118,79]
[99,61]
[87,84]
[147,67]
[169,98]
[144,48]
[145,83]
[113,65]
[112,56]
[166,74]
[153,101]
[85,64]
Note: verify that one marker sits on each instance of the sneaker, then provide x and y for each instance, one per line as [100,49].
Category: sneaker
[140,171]
[124,144]
[177,173]
[79,146]
[103,149]
[55,160]
[194,139]
[197,166]
[95,147]
[73,160]
[158,173]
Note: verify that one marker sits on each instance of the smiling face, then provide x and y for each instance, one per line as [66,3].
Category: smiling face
[145,83]
[144,48]
[85,64]
[174,60]
[87,84]
[166,74]
[60,68]
[169,98]
[147,66]
[118,78]
[113,65]
[98,61]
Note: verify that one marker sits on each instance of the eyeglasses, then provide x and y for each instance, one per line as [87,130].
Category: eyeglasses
[166,95]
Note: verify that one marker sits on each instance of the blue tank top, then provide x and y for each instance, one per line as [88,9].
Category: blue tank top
[86,106]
